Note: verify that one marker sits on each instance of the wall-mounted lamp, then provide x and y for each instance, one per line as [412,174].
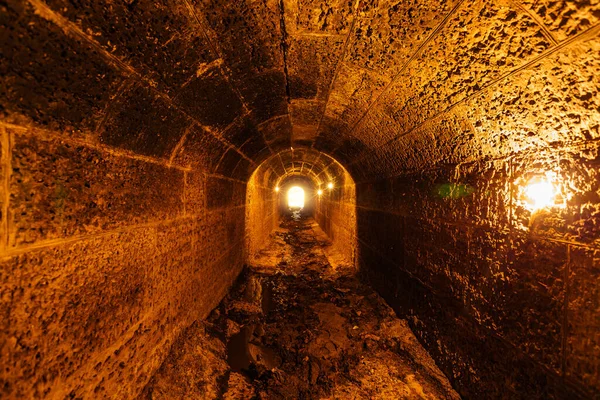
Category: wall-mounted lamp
[542,192]
[330,185]
[277,189]
[319,192]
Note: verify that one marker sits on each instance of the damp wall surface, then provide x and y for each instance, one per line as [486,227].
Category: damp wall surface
[262,211]
[335,212]
[506,300]
[122,207]
[106,257]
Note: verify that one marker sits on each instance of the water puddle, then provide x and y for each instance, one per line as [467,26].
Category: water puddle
[245,352]
[266,302]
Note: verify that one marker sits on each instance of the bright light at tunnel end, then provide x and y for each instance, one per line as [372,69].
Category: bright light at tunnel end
[296,197]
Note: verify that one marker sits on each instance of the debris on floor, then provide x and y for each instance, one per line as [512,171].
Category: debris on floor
[297,327]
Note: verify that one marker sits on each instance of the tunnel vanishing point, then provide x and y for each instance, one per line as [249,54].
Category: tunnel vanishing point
[454,145]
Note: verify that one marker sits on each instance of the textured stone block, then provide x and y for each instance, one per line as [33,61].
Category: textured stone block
[305,116]
[533,311]
[376,128]
[249,40]
[195,193]
[318,16]
[352,92]
[583,329]
[368,196]
[248,33]
[51,79]
[447,139]
[265,94]
[152,37]
[234,221]
[383,233]
[388,33]
[437,262]
[238,132]
[179,257]
[328,141]
[228,162]
[200,150]
[261,210]
[123,371]
[277,131]
[244,168]
[480,194]
[215,242]
[224,193]
[311,65]
[60,189]
[210,100]
[143,122]
[548,103]
[70,302]
[564,18]
[467,43]
[255,147]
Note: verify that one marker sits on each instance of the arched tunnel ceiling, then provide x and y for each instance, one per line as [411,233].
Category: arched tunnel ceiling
[382,86]
[320,168]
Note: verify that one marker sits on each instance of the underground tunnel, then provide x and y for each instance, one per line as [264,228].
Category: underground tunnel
[448,245]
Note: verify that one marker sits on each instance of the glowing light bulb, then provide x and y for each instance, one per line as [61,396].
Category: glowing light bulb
[319,192]
[277,188]
[541,194]
[330,185]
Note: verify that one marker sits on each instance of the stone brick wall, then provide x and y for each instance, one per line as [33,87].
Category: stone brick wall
[335,212]
[506,301]
[262,210]
[105,257]
[125,155]
[505,312]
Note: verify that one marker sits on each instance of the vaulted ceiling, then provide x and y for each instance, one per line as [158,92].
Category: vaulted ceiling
[382,86]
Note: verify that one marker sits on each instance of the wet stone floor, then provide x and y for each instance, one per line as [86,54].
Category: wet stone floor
[299,325]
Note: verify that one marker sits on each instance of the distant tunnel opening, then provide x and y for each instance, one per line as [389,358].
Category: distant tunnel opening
[295,198]
[297,194]
[325,190]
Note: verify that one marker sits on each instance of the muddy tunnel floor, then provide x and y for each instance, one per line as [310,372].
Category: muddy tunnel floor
[299,325]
